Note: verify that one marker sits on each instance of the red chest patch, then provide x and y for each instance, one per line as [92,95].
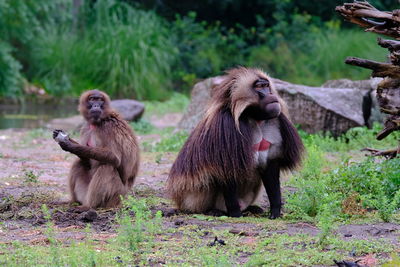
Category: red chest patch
[90,140]
[262,146]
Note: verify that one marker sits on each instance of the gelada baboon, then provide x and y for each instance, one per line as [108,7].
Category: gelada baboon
[244,140]
[108,154]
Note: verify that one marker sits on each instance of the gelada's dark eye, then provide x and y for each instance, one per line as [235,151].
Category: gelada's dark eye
[261,84]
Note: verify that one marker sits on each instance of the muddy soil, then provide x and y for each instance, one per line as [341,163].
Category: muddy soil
[34,172]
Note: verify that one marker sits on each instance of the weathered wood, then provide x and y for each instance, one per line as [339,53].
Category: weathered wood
[394,49]
[392,124]
[388,91]
[389,154]
[379,69]
[374,20]
[392,45]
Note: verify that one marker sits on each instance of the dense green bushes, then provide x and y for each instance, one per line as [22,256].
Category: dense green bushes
[124,51]
[20,23]
[10,76]
[118,47]
[349,188]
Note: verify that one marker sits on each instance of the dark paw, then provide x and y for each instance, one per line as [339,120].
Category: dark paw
[254,210]
[275,213]
[78,209]
[215,212]
[235,214]
[88,216]
[168,212]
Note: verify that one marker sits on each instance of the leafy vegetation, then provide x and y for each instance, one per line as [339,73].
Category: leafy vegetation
[124,51]
[349,188]
[129,50]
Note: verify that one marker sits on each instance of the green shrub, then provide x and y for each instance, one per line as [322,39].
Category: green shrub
[10,76]
[354,139]
[205,49]
[314,193]
[21,21]
[123,51]
[376,183]
[323,58]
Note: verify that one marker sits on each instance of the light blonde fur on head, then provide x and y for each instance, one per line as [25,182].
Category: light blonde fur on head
[236,90]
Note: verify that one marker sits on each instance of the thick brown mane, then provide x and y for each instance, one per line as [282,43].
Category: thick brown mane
[293,147]
[218,150]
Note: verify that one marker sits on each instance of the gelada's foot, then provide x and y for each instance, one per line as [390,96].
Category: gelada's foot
[275,213]
[79,209]
[168,212]
[215,212]
[256,210]
[88,216]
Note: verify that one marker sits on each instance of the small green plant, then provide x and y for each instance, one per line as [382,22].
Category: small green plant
[30,177]
[159,158]
[326,224]
[177,102]
[50,234]
[141,228]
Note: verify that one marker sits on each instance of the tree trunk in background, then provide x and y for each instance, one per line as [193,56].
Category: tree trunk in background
[388,91]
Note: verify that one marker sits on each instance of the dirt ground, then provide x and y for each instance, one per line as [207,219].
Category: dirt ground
[34,172]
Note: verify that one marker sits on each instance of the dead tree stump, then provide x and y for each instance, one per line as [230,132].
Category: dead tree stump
[388,91]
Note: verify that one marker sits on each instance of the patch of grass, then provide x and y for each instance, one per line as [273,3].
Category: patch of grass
[354,139]
[170,142]
[395,261]
[30,138]
[302,250]
[177,102]
[345,190]
[132,233]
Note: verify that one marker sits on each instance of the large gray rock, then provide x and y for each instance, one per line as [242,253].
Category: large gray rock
[199,100]
[321,109]
[130,110]
[369,87]
[370,84]
[315,109]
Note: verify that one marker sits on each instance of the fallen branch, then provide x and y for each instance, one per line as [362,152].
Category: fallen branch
[379,69]
[367,16]
[389,154]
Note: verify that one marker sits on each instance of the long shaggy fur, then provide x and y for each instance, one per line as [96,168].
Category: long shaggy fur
[100,183]
[220,147]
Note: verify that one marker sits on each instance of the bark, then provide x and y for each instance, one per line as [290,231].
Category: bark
[374,20]
[388,91]
[378,69]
